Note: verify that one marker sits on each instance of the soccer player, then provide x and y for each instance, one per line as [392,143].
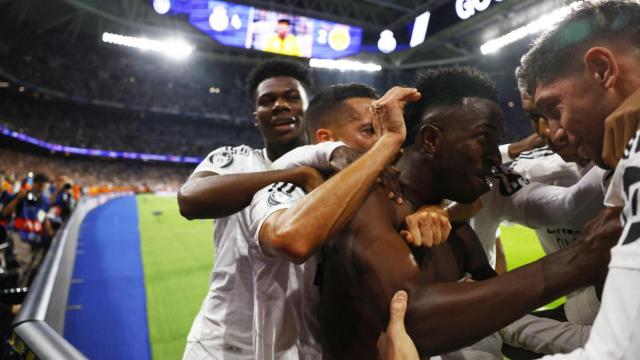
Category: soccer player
[288,232]
[222,186]
[451,146]
[579,73]
[284,41]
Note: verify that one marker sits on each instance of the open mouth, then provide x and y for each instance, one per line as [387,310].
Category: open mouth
[486,176]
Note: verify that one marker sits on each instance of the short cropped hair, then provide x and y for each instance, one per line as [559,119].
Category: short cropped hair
[443,87]
[556,52]
[278,67]
[332,98]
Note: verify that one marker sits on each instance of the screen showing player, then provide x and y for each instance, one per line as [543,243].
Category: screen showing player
[265,30]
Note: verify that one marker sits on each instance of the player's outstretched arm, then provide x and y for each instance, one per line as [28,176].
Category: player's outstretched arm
[301,230]
[445,316]
[207,195]
[547,205]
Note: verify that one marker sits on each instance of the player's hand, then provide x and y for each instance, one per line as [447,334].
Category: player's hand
[388,113]
[395,343]
[463,212]
[595,243]
[619,127]
[529,143]
[429,226]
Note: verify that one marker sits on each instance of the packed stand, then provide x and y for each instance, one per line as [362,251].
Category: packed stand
[87,71]
[86,126]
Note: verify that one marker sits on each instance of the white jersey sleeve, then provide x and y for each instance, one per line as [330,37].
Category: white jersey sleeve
[504,153]
[267,201]
[548,205]
[316,156]
[616,332]
[225,160]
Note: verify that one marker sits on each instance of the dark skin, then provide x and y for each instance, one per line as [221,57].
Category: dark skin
[280,103]
[371,261]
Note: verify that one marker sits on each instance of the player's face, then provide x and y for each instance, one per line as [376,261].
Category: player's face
[280,105]
[554,136]
[282,29]
[469,149]
[356,130]
[577,105]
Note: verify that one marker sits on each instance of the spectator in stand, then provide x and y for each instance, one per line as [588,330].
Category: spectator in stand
[29,229]
[5,194]
[62,201]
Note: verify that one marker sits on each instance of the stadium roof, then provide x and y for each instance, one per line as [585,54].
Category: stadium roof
[456,40]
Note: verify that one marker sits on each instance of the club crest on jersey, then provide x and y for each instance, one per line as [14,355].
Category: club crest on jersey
[278,197]
[221,159]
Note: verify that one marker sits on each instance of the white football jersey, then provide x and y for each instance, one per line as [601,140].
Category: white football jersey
[286,297]
[225,321]
[551,191]
[544,166]
[616,331]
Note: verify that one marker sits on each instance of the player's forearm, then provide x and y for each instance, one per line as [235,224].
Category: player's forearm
[218,196]
[306,226]
[443,317]
[481,308]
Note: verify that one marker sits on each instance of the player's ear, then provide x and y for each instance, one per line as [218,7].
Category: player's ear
[255,119]
[323,135]
[430,138]
[601,64]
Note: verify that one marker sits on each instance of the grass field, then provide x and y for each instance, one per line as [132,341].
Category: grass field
[521,247]
[177,257]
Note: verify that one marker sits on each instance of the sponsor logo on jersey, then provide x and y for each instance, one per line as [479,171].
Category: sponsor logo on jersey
[281,193]
[509,182]
[221,159]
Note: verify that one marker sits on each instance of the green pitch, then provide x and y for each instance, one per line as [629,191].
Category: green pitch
[521,246]
[177,257]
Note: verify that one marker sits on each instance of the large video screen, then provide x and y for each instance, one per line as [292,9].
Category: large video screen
[265,30]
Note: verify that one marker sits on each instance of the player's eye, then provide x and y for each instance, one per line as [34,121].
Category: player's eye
[369,131]
[265,101]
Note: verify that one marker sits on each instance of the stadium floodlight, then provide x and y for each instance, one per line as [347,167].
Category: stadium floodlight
[420,29]
[174,48]
[542,23]
[344,65]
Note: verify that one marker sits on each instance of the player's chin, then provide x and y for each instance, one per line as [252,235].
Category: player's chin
[287,138]
[474,189]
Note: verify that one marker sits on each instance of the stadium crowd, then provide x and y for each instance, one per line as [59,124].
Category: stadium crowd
[94,174]
[104,74]
[67,123]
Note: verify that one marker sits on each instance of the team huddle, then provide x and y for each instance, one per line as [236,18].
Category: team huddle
[366,226]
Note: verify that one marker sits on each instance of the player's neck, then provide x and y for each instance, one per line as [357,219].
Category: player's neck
[416,178]
[275,151]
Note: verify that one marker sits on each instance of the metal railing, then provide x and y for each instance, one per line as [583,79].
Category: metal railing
[38,328]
